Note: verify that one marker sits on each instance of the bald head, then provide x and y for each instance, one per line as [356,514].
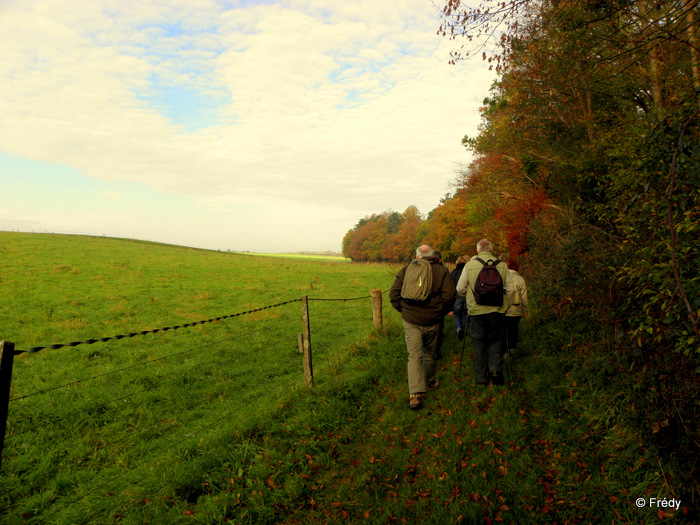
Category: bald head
[424,252]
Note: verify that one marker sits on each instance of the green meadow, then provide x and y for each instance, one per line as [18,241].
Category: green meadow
[122,416]
[213,423]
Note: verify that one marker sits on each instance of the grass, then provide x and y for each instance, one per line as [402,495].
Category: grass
[213,424]
[99,417]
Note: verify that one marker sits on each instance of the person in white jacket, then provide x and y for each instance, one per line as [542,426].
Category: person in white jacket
[517,310]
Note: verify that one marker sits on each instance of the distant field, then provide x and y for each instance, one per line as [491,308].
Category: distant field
[128,416]
[299,256]
[58,287]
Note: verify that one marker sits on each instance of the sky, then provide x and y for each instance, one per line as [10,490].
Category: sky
[238,125]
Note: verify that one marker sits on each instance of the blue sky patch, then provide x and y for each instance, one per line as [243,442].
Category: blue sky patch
[186,106]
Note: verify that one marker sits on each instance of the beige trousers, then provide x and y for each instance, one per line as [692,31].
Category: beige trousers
[421,343]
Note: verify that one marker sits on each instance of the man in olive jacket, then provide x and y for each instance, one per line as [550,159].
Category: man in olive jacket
[421,324]
[487,322]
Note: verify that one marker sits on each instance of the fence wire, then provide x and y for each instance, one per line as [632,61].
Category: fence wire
[154,331]
[173,415]
[152,385]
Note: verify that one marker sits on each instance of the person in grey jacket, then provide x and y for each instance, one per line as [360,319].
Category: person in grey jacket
[421,324]
[487,322]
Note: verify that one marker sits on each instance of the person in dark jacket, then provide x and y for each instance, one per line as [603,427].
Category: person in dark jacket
[459,310]
[421,324]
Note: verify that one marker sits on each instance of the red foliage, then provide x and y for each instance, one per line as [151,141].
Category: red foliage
[515,217]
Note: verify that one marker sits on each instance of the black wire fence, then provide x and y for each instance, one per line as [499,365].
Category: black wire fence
[115,416]
[156,330]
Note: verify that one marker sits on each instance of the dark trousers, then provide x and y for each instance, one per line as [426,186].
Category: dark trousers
[487,333]
[510,334]
[460,318]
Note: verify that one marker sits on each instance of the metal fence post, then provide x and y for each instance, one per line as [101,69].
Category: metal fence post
[6,360]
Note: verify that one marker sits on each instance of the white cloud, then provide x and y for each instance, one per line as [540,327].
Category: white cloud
[323,109]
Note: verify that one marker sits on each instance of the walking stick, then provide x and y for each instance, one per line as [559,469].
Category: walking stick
[510,368]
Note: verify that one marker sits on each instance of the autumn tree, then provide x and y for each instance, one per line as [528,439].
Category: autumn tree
[388,236]
[595,118]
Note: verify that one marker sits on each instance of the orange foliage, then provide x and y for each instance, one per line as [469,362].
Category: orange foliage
[384,237]
[492,200]
[515,215]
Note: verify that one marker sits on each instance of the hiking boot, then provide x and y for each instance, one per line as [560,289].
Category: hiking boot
[497,378]
[416,401]
[433,384]
[460,334]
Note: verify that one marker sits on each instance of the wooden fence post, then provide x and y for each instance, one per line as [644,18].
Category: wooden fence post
[7,349]
[306,338]
[376,308]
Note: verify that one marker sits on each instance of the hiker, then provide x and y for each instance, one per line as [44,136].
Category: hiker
[423,292]
[487,304]
[516,311]
[459,310]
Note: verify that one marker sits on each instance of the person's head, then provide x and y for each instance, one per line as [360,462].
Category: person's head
[510,261]
[484,245]
[438,256]
[462,259]
[425,252]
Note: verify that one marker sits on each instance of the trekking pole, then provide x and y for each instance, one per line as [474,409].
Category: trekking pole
[510,368]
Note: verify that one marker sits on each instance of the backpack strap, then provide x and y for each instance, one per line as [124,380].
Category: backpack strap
[495,263]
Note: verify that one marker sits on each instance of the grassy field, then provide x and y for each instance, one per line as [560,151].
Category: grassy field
[213,423]
[120,416]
